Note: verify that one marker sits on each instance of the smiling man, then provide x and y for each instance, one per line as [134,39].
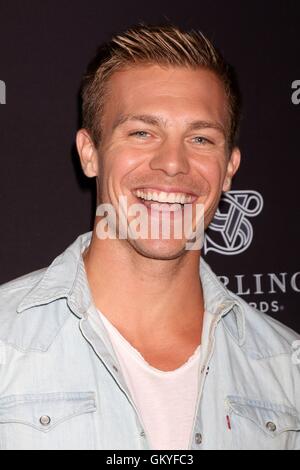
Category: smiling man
[128,342]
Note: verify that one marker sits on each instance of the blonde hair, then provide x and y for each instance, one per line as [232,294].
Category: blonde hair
[165,45]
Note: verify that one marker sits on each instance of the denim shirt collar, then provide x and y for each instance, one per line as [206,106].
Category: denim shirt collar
[66,278]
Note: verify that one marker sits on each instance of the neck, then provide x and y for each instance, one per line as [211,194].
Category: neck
[141,295]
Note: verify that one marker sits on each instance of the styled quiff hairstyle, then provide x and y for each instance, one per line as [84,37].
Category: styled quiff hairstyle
[165,45]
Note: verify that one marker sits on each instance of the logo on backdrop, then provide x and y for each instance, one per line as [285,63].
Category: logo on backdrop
[231,231]
[296,93]
[2,92]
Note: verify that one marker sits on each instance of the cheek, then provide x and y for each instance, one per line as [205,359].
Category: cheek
[124,158]
[212,170]
[121,164]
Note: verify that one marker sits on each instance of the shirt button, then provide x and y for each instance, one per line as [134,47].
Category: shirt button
[271,426]
[45,420]
[115,369]
[143,434]
[198,438]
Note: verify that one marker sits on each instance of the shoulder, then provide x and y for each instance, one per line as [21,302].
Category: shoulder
[27,280]
[272,350]
[13,292]
[261,335]
[34,328]
[265,335]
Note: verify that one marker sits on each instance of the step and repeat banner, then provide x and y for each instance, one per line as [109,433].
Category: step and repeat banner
[46,202]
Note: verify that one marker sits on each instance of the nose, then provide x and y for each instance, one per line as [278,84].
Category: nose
[170,158]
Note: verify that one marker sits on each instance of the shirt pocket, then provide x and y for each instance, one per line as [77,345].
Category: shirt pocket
[263,425]
[45,421]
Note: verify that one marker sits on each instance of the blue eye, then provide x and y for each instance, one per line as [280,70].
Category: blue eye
[203,140]
[140,133]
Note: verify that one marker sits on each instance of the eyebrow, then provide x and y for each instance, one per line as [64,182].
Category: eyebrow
[159,121]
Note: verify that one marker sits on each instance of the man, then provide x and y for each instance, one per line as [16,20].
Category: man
[122,342]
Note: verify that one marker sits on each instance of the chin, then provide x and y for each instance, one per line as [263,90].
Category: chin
[159,249]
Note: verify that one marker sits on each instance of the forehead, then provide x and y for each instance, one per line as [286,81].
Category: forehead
[176,92]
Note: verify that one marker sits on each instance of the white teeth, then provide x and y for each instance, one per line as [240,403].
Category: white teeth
[163,197]
[171,198]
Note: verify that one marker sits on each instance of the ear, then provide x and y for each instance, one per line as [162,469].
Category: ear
[87,153]
[232,167]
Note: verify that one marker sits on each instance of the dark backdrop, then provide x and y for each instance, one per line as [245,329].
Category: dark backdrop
[46,203]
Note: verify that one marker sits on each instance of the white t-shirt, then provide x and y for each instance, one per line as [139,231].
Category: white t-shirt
[166,400]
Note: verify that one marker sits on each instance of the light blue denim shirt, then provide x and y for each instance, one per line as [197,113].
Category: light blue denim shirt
[61,386]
